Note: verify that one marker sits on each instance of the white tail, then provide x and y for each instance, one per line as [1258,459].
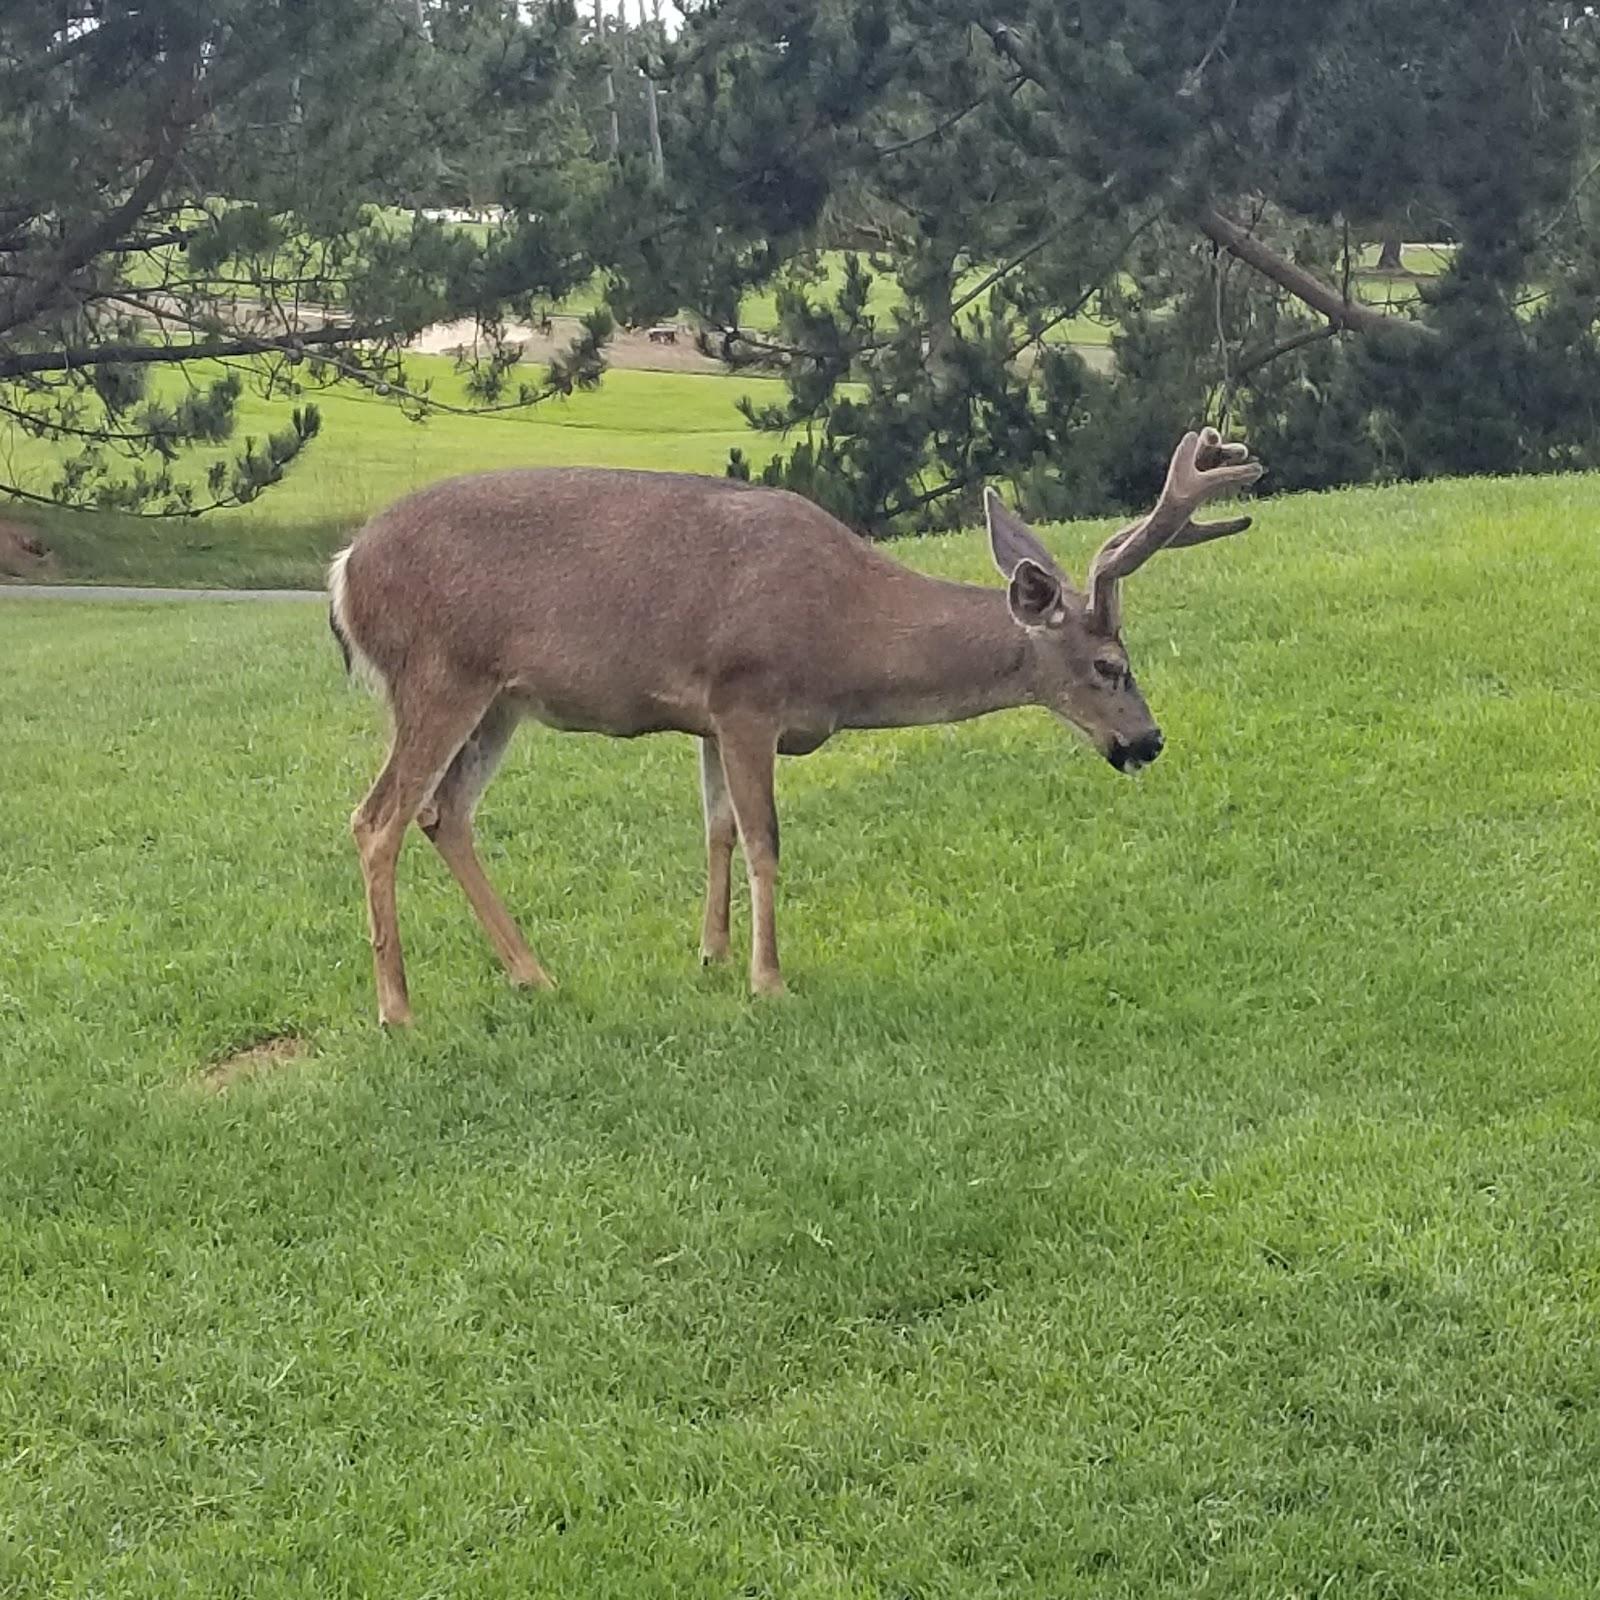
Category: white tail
[631,603]
[356,661]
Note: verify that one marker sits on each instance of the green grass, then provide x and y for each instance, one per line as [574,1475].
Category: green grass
[1173,1188]
[369,454]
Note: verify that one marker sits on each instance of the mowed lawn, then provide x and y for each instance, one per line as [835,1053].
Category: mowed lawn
[1182,1187]
[369,453]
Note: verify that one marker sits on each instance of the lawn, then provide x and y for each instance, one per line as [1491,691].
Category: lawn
[369,454]
[1182,1187]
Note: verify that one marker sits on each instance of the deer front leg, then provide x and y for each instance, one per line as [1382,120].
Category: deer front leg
[721,829]
[749,752]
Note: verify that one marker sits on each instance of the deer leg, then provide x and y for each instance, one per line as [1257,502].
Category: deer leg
[749,753]
[721,830]
[447,821]
[428,730]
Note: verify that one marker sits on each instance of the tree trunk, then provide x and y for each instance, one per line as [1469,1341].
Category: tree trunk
[1390,258]
[652,109]
[615,145]
[939,298]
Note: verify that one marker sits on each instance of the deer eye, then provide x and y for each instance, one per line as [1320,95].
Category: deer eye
[1111,671]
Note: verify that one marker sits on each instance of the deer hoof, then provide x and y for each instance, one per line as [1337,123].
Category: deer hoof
[714,958]
[768,985]
[536,978]
[395,1017]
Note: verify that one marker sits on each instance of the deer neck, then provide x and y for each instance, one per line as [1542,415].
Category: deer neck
[936,651]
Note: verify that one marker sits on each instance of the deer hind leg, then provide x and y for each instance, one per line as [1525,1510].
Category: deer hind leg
[721,831]
[749,753]
[447,821]
[433,716]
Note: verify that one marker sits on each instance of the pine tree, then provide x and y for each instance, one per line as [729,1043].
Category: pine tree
[1205,177]
[238,190]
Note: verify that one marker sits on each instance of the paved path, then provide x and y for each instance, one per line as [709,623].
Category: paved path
[106,591]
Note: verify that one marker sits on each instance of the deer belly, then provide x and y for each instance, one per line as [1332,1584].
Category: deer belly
[802,741]
[623,716]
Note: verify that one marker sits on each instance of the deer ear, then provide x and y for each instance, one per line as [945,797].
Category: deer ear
[1035,596]
[1011,540]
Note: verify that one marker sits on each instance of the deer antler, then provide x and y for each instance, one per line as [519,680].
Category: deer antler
[1202,468]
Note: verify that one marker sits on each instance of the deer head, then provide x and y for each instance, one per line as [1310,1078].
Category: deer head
[1077,661]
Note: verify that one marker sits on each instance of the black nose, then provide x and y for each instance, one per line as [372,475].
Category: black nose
[1131,754]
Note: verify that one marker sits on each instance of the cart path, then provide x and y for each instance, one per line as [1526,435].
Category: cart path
[110,591]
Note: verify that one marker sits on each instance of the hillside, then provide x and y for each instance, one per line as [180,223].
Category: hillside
[1152,1189]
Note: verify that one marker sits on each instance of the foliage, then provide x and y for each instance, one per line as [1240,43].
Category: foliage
[246,182]
[1208,177]
[1139,1199]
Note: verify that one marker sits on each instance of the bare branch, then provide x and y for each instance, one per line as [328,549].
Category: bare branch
[1195,76]
[16,366]
[1304,286]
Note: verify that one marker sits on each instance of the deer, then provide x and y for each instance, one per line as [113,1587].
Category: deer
[630,603]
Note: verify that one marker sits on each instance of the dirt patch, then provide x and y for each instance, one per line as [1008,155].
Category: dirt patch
[672,349]
[637,350]
[23,554]
[264,1056]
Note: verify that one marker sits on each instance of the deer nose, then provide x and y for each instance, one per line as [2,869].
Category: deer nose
[1129,755]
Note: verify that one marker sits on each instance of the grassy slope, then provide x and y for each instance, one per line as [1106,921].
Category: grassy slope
[369,454]
[1162,1189]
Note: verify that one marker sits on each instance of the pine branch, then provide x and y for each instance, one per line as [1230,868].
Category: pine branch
[1195,77]
[954,119]
[1225,232]
[51,427]
[169,140]
[1283,347]
[940,491]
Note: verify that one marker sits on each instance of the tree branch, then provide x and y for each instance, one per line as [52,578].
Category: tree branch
[1304,286]
[27,304]
[928,496]
[1296,341]
[49,427]
[1195,76]
[941,127]
[16,366]
[1226,233]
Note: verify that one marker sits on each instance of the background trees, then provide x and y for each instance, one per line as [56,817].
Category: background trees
[1206,191]
[1211,180]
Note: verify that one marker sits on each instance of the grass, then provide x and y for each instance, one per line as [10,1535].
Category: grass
[369,454]
[760,311]
[1172,1188]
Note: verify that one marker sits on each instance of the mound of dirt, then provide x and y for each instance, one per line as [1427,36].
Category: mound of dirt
[260,1057]
[23,554]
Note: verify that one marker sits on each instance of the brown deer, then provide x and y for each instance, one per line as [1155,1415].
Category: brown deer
[629,603]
